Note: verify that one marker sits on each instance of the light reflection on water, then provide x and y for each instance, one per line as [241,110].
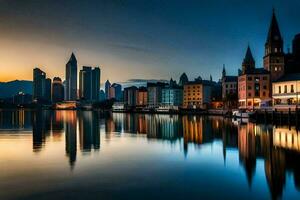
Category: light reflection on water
[69,154]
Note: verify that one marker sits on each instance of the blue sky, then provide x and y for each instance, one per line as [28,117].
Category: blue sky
[138,39]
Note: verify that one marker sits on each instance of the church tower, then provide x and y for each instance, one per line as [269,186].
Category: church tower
[274,56]
[248,62]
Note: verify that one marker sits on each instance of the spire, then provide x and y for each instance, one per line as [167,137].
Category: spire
[274,32]
[248,62]
[72,58]
[223,71]
[248,57]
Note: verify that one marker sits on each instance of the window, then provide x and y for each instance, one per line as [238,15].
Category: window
[264,94]
[285,89]
[275,69]
[292,88]
[249,87]
[249,78]
[279,89]
[265,78]
[265,87]
[249,94]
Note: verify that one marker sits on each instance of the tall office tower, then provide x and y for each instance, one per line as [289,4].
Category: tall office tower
[38,84]
[57,90]
[96,78]
[89,83]
[274,56]
[47,90]
[107,88]
[71,79]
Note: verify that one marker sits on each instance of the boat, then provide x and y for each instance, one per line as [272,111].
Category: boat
[241,113]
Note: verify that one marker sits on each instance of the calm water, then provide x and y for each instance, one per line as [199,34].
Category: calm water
[88,155]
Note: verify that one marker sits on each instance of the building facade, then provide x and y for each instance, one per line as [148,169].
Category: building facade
[274,55]
[142,97]
[41,86]
[89,83]
[155,94]
[115,92]
[286,92]
[71,79]
[197,94]
[253,84]
[172,96]
[130,96]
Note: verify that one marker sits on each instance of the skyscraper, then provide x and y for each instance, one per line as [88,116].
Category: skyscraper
[107,88]
[71,79]
[57,90]
[89,83]
[96,79]
[115,91]
[41,86]
[38,83]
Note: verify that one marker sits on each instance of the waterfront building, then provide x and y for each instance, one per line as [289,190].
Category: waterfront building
[172,95]
[71,79]
[57,90]
[89,83]
[253,84]
[229,89]
[229,84]
[155,94]
[142,97]
[197,94]
[130,96]
[107,89]
[115,92]
[285,92]
[41,86]
[274,55]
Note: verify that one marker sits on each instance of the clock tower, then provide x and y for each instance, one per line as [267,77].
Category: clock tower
[274,56]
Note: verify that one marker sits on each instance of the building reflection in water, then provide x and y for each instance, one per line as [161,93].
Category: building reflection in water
[19,119]
[278,147]
[89,131]
[70,119]
[41,126]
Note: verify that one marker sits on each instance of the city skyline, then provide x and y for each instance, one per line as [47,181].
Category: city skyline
[121,41]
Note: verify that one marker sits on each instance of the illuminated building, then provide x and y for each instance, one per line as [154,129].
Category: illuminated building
[197,94]
[285,91]
[253,84]
[142,97]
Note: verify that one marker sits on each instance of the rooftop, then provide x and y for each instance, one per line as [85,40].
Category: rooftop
[289,77]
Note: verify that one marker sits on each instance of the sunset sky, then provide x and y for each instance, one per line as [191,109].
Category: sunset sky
[137,39]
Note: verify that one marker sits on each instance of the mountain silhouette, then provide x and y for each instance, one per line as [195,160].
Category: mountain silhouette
[9,89]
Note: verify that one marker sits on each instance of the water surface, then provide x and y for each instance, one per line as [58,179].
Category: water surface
[89,155]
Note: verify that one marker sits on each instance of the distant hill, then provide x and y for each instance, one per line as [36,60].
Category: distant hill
[8,89]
